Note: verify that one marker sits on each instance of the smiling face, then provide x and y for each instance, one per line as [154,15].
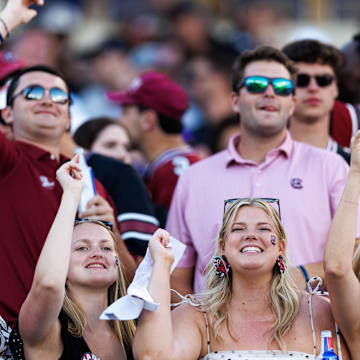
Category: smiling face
[38,120]
[314,102]
[249,243]
[93,257]
[265,114]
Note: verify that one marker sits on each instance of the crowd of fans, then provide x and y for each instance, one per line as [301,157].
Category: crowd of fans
[247,154]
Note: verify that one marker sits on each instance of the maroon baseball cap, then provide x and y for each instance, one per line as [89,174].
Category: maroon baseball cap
[9,63]
[155,91]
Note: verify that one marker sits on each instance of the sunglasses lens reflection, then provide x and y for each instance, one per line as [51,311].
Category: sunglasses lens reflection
[34,93]
[283,87]
[259,84]
[57,95]
[256,84]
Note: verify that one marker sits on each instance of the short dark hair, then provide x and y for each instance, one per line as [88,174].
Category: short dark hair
[42,68]
[167,124]
[260,53]
[314,52]
[86,134]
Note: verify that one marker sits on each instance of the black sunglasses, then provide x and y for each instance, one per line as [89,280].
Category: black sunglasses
[37,92]
[303,80]
[107,224]
[259,84]
[228,202]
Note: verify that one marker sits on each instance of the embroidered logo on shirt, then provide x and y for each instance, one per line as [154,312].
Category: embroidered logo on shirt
[296,183]
[46,183]
[89,356]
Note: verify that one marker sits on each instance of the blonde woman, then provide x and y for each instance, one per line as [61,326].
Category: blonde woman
[341,264]
[77,276]
[250,309]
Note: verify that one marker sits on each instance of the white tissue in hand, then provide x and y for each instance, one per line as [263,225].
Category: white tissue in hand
[138,298]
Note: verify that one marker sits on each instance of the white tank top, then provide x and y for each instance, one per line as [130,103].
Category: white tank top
[270,354]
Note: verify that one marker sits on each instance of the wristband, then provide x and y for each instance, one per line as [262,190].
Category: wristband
[305,273]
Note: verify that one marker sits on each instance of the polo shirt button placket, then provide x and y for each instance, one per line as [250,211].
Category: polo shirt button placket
[257,183]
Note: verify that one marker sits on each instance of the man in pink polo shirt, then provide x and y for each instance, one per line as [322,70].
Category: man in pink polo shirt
[262,161]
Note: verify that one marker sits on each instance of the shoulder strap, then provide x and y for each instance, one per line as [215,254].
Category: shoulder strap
[316,291]
[311,293]
[189,299]
[207,330]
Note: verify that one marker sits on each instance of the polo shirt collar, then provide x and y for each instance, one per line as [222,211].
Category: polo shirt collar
[233,156]
[36,152]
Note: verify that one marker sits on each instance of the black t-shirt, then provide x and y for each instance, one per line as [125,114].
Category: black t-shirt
[75,348]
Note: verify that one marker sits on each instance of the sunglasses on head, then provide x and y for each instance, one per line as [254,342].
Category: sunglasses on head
[107,224]
[37,92]
[303,80]
[228,202]
[259,84]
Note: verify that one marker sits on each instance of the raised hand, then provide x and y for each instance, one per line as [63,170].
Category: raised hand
[70,177]
[17,12]
[160,247]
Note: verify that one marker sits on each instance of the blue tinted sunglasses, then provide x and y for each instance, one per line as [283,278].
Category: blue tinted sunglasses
[259,84]
[37,92]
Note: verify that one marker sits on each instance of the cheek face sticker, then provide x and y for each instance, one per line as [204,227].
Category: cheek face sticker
[273,239]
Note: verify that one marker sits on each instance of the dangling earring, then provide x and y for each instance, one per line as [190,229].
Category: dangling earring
[116,260]
[279,266]
[221,265]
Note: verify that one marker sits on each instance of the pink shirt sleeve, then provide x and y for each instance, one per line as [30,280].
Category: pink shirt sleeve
[176,222]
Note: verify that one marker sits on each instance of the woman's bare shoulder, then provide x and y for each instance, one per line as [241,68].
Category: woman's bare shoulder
[189,310]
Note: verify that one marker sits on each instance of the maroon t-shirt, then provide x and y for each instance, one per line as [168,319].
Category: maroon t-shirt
[162,174]
[29,199]
[344,123]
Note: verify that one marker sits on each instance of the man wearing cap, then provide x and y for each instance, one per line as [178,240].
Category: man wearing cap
[152,110]
[263,161]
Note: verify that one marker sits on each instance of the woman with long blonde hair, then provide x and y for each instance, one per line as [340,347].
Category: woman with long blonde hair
[251,309]
[341,263]
[77,276]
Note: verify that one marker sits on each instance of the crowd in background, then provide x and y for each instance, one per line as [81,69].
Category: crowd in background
[151,88]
